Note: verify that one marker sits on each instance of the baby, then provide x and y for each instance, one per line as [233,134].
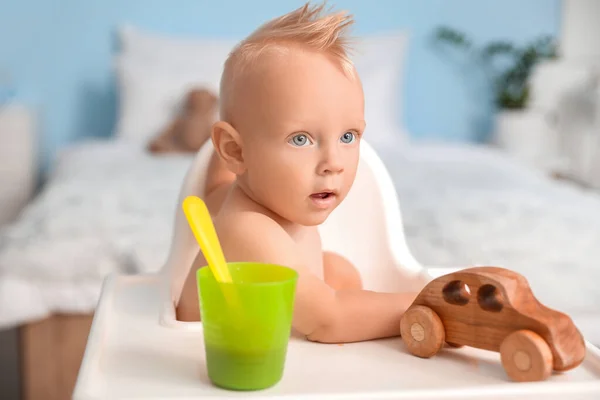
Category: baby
[286,154]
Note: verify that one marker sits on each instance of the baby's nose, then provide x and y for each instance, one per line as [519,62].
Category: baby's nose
[331,163]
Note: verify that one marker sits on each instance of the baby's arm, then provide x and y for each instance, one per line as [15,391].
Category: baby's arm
[339,273]
[321,313]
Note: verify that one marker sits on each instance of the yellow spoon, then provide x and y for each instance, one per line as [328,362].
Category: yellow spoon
[202,226]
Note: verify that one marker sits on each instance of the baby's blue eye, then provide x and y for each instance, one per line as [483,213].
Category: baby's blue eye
[300,140]
[348,137]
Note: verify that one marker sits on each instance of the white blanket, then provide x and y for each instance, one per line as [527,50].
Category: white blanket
[109,207]
[466,206]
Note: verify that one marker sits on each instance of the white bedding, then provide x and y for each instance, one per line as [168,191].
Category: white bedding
[466,205]
[109,207]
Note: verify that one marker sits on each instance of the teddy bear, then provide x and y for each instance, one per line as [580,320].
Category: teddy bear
[192,128]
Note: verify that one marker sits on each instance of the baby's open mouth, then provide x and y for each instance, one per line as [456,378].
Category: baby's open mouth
[322,195]
[324,200]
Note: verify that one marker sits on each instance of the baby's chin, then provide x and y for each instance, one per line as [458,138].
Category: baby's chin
[312,218]
[305,214]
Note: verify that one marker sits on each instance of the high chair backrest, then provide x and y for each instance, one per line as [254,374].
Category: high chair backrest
[366,229]
[184,247]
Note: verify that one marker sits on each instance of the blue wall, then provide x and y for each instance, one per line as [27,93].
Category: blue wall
[58,53]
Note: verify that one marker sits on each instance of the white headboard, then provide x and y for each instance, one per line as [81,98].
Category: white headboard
[580,29]
[18,167]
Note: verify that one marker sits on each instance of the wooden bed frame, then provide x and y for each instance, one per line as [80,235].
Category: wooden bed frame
[50,350]
[51,353]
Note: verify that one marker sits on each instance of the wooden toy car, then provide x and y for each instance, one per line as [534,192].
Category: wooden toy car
[493,309]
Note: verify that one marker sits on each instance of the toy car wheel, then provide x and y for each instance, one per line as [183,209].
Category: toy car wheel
[526,357]
[422,331]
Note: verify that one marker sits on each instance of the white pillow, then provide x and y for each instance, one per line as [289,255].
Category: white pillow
[174,52]
[172,60]
[154,73]
[150,97]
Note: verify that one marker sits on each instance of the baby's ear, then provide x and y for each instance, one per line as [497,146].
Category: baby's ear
[228,144]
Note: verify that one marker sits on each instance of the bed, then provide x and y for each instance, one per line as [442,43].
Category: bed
[109,206]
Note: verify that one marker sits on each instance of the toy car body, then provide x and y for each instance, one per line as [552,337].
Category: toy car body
[494,309]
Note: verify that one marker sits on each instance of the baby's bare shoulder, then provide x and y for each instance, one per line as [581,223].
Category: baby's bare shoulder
[252,236]
[239,222]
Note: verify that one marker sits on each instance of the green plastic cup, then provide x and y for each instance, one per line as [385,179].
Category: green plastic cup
[246,340]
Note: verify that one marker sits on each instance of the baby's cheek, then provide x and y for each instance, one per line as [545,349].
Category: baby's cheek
[289,174]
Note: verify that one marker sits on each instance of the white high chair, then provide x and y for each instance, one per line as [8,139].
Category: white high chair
[366,228]
[137,348]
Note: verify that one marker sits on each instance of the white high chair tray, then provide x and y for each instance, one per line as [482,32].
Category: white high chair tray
[129,355]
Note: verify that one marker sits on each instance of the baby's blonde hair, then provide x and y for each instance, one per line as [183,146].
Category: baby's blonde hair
[307,26]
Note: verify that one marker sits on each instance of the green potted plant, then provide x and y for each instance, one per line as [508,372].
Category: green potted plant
[508,68]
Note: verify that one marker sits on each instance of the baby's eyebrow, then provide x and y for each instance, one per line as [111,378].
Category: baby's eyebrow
[360,124]
[300,126]
[293,126]
[295,123]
